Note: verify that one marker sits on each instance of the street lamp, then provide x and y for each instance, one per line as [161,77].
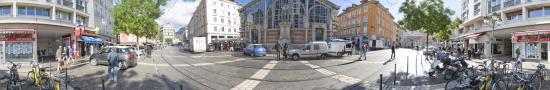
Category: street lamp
[493,20]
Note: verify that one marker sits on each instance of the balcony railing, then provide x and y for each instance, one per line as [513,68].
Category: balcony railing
[495,8]
[66,3]
[47,1]
[81,8]
[511,3]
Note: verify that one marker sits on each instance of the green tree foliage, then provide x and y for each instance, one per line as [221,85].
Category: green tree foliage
[137,17]
[429,16]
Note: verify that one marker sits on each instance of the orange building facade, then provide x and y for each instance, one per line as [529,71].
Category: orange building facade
[369,21]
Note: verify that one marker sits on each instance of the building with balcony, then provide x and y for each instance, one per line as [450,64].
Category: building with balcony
[506,27]
[295,22]
[369,21]
[217,20]
[169,32]
[35,28]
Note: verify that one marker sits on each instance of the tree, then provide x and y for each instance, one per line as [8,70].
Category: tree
[429,16]
[446,34]
[137,17]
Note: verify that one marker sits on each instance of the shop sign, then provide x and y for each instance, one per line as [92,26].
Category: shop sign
[526,33]
[16,39]
[531,40]
[17,35]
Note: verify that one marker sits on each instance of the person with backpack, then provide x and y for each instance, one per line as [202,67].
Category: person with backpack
[113,62]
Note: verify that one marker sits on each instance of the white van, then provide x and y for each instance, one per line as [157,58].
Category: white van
[317,49]
[337,47]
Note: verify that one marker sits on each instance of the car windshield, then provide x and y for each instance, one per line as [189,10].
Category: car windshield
[258,46]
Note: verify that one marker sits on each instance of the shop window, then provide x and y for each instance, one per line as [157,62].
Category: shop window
[33,11]
[547,11]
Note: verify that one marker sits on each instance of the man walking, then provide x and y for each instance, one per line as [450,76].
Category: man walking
[277,49]
[392,52]
[59,58]
[113,69]
[285,49]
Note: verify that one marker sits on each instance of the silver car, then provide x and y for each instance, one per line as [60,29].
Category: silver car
[127,56]
[317,49]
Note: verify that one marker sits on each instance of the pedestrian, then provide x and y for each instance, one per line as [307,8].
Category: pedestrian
[519,60]
[277,49]
[285,49]
[113,69]
[362,52]
[59,58]
[70,54]
[393,52]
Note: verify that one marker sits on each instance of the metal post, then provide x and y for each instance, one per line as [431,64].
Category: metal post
[394,74]
[181,87]
[102,84]
[407,64]
[66,78]
[381,81]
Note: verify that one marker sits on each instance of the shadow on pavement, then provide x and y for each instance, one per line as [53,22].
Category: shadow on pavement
[402,79]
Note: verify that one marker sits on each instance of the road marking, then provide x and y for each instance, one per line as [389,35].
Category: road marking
[260,74]
[340,77]
[202,64]
[247,85]
[346,79]
[186,65]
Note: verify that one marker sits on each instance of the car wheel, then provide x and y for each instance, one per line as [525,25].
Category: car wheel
[93,61]
[295,57]
[323,56]
[123,65]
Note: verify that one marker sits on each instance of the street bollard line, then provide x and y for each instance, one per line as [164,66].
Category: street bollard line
[381,81]
[407,64]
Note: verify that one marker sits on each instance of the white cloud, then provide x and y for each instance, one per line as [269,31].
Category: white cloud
[178,12]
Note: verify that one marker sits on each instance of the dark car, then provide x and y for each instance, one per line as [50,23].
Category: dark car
[210,48]
[127,56]
[255,50]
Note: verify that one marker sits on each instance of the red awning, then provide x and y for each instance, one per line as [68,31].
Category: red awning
[535,32]
[472,36]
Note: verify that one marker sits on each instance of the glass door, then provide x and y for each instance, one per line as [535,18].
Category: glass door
[544,51]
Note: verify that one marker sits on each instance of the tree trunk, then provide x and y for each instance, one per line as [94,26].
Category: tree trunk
[427,39]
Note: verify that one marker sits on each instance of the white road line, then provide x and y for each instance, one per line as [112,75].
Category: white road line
[246,85]
[346,79]
[340,77]
[202,64]
[260,74]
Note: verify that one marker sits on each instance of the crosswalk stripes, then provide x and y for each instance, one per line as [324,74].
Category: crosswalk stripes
[260,74]
[340,77]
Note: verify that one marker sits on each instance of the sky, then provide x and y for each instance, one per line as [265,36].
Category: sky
[179,12]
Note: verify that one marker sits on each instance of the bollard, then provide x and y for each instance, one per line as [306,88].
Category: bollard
[394,74]
[416,67]
[407,64]
[381,81]
[181,87]
[66,78]
[102,84]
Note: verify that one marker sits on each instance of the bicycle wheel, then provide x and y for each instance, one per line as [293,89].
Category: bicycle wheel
[45,83]
[30,77]
[537,82]
[499,85]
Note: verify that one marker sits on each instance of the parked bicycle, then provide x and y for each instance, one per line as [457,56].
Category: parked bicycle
[14,83]
[492,78]
[38,76]
[531,81]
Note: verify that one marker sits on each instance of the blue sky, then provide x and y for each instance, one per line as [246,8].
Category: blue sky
[179,12]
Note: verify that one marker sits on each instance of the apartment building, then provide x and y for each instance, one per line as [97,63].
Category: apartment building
[506,27]
[369,21]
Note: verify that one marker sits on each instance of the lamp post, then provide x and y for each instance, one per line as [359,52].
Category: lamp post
[493,20]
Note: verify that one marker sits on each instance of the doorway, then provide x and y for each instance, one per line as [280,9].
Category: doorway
[319,34]
[544,51]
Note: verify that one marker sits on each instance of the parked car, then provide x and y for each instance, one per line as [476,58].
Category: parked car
[210,48]
[127,56]
[313,49]
[428,51]
[255,50]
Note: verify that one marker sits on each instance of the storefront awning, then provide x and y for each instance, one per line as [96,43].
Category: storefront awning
[91,40]
[535,32]
[472,36]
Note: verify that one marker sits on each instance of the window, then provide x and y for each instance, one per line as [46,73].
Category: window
[214,11]
[64,16]
[365,22]
[316,47]
[229,21]
[535,12]
[215,19]
[222,20]
[547,11]
[223,29]
[365,9]
[215,28]
[32,11]
[5,10]
[235,29]
[228,14]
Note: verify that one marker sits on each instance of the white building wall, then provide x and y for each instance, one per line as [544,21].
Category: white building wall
[207,20]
